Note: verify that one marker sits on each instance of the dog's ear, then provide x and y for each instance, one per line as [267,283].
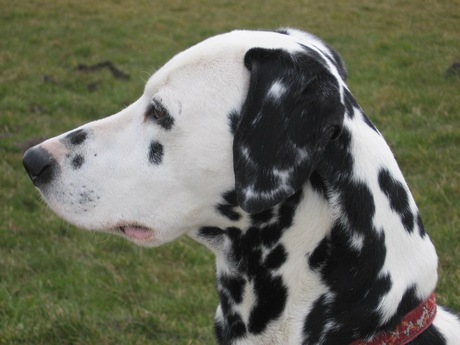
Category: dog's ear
[292,111]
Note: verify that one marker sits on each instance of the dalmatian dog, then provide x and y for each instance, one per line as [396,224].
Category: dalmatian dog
[251,143]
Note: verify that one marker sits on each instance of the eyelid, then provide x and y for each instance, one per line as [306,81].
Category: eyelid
[156,110]
[157,113]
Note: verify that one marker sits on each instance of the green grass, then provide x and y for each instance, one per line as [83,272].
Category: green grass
[59,285]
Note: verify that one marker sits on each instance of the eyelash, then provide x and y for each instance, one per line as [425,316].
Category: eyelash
[156,111]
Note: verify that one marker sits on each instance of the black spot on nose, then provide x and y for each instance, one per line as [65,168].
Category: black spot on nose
[77,137]
[78,161]
[156,152]
[40,166]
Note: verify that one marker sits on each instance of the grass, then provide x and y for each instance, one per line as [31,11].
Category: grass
[59,285]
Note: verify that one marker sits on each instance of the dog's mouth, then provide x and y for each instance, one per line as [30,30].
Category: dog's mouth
[136,232]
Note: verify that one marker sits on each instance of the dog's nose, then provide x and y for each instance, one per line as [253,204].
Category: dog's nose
[39,165]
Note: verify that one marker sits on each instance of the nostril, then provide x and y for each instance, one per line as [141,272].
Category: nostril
[39,165]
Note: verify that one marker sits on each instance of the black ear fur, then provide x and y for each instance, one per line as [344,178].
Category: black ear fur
[292,111]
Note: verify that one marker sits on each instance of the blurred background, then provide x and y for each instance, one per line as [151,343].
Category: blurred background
[64,63]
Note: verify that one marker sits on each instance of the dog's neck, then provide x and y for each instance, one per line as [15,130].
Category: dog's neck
[254,255]
[349,248]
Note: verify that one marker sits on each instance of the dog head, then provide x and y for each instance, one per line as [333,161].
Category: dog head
[245,111]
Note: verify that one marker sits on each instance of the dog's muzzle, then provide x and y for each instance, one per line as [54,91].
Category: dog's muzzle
[40,166]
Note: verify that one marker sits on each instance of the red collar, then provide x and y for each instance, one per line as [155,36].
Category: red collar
[411,326]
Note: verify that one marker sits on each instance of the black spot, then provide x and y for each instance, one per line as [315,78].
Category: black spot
[350,103]
[287,210]
[318,184]
[77,137]
[271,235]
[262,217]
[219,331]
[314,323]
[77,162]
[271,299]
[236,326]
[212,235]
[358,205]
[320,255]
[232,326]
[228,207]
[230,198]
[337,165]
[156,152]
[233,286]
[398,197]
[421,227]
[211,232]
[228,211]
[276,257]
[157,112]
[234,119]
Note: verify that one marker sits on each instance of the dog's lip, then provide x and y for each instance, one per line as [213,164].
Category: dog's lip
[136,232]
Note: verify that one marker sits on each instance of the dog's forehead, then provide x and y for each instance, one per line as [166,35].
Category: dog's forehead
[228,48]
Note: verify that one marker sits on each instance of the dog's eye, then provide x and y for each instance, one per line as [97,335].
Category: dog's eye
[156,111]
[158,114]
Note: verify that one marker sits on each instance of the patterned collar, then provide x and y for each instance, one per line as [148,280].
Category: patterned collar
[411,326]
